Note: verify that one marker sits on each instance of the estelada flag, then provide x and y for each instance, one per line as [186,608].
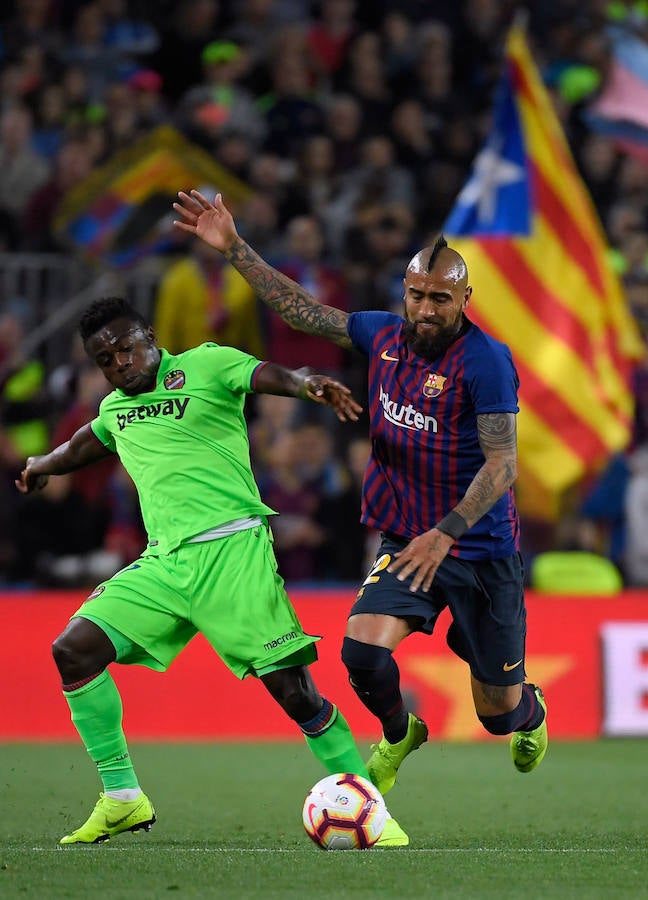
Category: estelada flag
[537,259]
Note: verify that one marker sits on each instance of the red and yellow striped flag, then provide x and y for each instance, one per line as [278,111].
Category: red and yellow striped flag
[537,260]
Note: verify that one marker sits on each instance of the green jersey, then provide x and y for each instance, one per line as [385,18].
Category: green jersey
[185,444]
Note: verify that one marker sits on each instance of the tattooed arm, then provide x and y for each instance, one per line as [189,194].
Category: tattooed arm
[425,553]
[213,223]
[498,441]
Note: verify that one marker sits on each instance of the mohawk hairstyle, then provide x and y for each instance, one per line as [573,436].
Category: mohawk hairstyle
[103,311]
[439,244]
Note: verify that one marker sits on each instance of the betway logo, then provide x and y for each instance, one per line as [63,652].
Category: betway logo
[406,416]
[175,408]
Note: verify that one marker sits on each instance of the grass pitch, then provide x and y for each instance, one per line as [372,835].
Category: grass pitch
[229,826]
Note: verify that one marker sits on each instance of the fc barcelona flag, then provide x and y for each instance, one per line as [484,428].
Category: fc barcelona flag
[122,211]
[537,260]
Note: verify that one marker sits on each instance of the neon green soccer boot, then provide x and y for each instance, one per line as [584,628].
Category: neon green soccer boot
[392,835]
[111,817]
[529,747]
[386,758]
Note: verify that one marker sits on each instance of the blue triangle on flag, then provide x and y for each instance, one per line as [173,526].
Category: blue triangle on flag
[496,199]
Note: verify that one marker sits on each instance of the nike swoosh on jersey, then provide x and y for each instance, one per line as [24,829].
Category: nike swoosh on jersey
[385,355]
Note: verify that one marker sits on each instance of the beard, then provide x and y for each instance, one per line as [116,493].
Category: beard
[430,347]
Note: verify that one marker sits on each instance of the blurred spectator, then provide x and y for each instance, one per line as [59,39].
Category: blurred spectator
[297,533]
[329,36]
[293,110]
[273,416]
[344,127]
[377,180]
[364,77]
[88,50]
[256,26]
[314,183]
[89,483]
[202,298]
[54,538]
[132,37]
[351,547]
[23,169]
[72,165]
[50,124]
[219,105]
[304,263]
[185,33]
[147,98]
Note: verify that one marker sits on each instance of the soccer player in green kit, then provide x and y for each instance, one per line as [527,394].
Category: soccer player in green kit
[177,424]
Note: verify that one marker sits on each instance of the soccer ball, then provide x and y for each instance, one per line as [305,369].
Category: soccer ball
[344,812]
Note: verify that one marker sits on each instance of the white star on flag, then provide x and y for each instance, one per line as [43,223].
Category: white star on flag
[490,172]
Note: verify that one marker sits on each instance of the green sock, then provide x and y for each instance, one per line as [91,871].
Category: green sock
[97,715]
[335,746]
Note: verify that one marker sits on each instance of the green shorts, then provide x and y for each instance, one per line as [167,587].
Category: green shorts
[227,589]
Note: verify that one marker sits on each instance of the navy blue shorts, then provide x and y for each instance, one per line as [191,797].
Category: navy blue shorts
[485,599]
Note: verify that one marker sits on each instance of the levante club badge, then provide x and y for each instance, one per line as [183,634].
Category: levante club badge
[432,387]
[175,380]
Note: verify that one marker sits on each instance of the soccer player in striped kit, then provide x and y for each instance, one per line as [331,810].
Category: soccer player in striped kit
[439,487]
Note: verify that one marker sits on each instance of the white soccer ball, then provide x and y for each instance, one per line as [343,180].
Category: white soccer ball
[344,812]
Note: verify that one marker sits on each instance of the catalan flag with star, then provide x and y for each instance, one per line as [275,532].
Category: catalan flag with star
[537,259]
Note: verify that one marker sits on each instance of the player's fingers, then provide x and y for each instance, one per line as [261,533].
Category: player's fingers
[408,569]
[400,559]
[192,205]
[417,579]
[201,199]
[336,385]
[183,226]
[187,214]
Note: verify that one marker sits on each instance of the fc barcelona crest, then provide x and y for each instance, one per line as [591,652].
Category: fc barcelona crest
[434,385]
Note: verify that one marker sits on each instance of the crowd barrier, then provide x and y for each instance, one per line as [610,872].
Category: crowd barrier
[590,654]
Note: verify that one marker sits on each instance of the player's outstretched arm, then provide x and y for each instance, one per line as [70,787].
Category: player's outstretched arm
[308,385]
[213,223]
[82,449]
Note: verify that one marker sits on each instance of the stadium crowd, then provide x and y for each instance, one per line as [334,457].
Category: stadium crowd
[354,123]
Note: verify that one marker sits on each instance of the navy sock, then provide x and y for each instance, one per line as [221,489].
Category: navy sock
[526,716]
[374,676]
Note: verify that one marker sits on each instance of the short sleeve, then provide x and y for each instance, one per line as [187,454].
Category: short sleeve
[102,434]
[228,366]
[495,388]
[363,326]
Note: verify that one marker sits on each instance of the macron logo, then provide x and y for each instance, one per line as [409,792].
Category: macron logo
[406,416]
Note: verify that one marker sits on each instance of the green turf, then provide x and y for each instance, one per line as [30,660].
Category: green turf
[229,826]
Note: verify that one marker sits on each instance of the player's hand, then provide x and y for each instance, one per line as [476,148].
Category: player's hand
[212,222]
[421,558]
[29,481]
[323,389]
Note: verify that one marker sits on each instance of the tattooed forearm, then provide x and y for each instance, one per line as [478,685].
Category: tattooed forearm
[287,298]
[497,438]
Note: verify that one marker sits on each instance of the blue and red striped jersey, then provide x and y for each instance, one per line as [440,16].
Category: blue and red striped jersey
[423,427]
